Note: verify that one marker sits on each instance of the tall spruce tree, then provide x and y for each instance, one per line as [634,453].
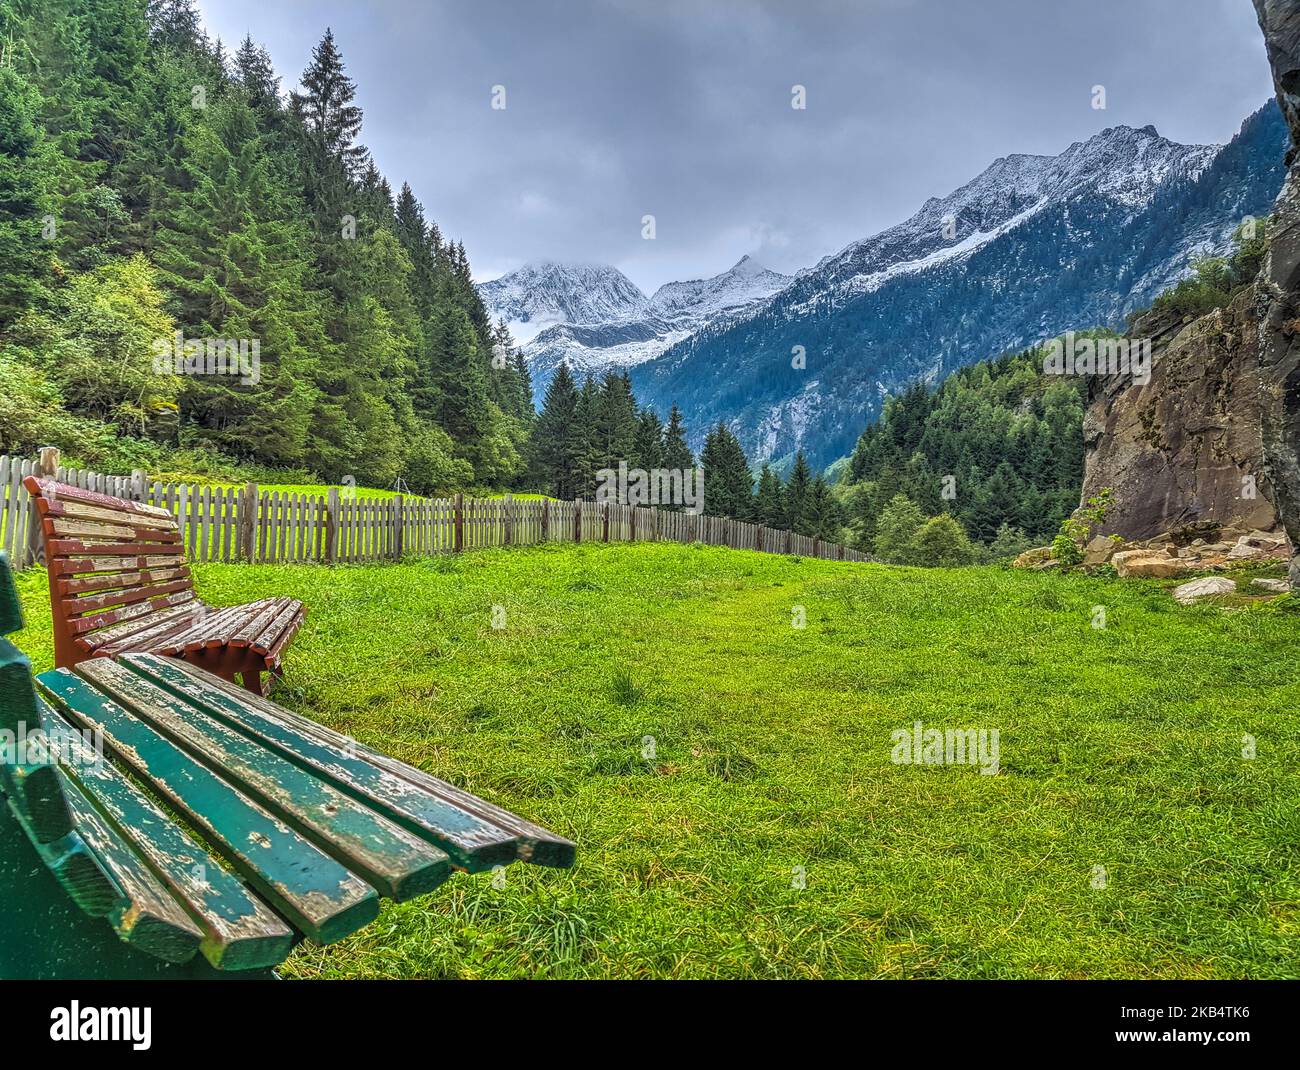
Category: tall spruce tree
[648,446]
[559,445]
[728,486]
[797,489]
[769,499]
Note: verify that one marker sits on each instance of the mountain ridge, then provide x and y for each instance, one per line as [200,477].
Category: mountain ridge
[1035,245]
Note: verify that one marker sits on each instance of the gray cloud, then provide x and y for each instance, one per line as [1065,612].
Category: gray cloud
[681,109]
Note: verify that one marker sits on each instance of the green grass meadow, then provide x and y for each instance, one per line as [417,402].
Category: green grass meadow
[1120,747]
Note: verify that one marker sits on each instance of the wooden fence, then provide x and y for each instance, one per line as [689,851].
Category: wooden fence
[248,524]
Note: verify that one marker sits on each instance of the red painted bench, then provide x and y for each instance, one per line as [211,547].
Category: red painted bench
[120,584]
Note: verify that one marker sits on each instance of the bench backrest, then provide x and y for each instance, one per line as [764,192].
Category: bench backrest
[110,560]
[33,788]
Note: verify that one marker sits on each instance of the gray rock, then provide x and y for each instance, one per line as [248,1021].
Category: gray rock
[1275,586]
[1244,551]
[1205,587]
[1099,550]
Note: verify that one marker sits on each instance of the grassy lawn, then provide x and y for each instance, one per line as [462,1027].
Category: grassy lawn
[1121,747]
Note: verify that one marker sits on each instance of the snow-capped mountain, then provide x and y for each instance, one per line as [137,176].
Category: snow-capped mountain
[543,293]
[1121,165]
[687,303]
[1034,246]
[615,325]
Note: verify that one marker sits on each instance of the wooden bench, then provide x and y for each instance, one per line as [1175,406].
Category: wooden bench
[119,583]
[284,829]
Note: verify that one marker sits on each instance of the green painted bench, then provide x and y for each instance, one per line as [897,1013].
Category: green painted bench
[199,819]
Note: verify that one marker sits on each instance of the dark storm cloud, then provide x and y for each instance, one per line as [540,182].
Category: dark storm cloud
[619,109]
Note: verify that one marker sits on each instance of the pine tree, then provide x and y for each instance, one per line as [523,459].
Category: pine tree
[175,24]
[676,453]
[615,426]
[231,248]
[648,447]
[823,517]
[257,77]
[558,446]
[797,489]
[769,502]
[728,486]
[332,120]
[25,260]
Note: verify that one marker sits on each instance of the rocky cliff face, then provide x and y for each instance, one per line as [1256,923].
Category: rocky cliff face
[1222,408]
[1185,449]
[1278,297]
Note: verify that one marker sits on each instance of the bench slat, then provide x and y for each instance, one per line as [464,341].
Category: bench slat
[74,866]
[50,490]
[80,547]
[536,844]
[214,627]
[145,916]
[271,634]
[177,615]
[91,602]
[256,623]
[80,511]
[239,932]
[81,564]
[472,842]
[277,648]
[81,625]
[124,580]
[318,895]
[399,864]
[75,528]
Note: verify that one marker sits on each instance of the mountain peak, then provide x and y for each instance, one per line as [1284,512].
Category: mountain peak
[747,265]
[544,293]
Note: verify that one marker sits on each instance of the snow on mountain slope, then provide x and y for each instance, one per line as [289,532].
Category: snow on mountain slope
[1121,165]
[615,330]
[1033,246]
[543,293]
[689,304]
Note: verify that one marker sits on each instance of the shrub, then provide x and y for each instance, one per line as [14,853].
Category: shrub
[896,529]
[941,542]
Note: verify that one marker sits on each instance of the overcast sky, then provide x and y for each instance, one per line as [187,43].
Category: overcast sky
[681,109]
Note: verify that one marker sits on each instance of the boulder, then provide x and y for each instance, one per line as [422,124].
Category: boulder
[1099,550]
[1039,555]
[1205,587]
[1259,545]
[1273,586]
[1145,563]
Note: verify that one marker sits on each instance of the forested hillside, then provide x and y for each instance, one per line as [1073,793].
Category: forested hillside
[998,445]
[156,185]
